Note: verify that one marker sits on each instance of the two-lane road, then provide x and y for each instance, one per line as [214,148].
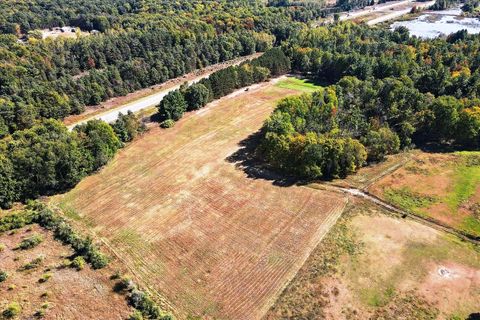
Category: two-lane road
[155,98]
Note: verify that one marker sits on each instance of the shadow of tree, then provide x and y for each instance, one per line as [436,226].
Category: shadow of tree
[246,160]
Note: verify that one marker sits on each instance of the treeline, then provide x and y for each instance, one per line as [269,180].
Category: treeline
[102,15]
[305,10]
[221,83]
[56,79]
[389,92]
[48,159]
[440,66]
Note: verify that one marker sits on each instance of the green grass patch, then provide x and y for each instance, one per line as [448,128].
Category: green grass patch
[409,200]
[471,225]
[377,298]
[466,180]
[303,85]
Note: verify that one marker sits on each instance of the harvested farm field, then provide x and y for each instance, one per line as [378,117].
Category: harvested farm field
[373,265]
[443,187]
[49,289]
[193,223]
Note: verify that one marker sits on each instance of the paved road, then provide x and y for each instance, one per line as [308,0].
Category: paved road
[153,99]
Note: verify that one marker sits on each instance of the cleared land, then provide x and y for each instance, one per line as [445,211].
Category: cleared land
[191,222]
[63,293]
[442,187]
[376,266]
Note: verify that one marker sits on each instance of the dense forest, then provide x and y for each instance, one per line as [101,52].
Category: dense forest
[387,91]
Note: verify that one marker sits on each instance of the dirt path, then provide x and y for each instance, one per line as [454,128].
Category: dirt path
[363,194]
[148,97]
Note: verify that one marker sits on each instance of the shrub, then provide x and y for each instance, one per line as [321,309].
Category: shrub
[78,263]
[39,313]
[97,259]
[143,303]
[167,124]
[2,247]
[125,284]
[115,276]
[45,277]
[62,231]
[3,276]
[35,263]
[15,221]
[30,242]
[12,310]
[137,315]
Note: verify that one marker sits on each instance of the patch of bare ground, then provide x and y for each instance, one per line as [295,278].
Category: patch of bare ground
[186,215]
[375,266]
[57,291]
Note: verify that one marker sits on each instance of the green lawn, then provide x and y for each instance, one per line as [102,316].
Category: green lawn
[304,85]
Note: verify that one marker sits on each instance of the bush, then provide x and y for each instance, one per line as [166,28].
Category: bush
[97,259]
[45,278]
[2,247]
[143,303]
[167,124]
[62,231]
[35,263]
[30,242]
[78,263]
[3,276]
[13,310]
[39,313]
[381,143]
[137,315]
[15,221]
[125,284]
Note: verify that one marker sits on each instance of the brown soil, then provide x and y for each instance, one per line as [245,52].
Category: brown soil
[71,294]
[211,236]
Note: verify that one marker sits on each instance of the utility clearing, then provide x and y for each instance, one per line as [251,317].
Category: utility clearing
[195,227]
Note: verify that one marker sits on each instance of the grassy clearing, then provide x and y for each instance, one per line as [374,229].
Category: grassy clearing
[302,85]
[466,179]
[391,273]
[444,187]
[409,200]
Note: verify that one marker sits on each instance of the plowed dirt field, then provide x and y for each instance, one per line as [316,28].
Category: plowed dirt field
[194,227]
